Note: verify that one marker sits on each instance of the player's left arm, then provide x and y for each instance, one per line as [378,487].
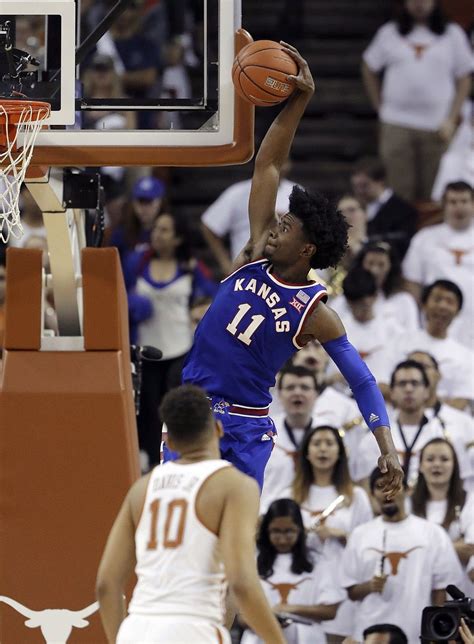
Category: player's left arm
[118,562]
[324,325]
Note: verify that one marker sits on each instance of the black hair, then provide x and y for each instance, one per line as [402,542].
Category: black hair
[425,353]
[447,285]
[187,413]
[323,224]
[299,371]
[409,364]
[456,495]
[397,636]
[359,283]
[393,280]
[458,186]
[301,561]
[3,254]
[304,476]
[373,167]
[436,21]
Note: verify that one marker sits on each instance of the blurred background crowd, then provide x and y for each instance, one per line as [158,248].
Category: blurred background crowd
[389,136]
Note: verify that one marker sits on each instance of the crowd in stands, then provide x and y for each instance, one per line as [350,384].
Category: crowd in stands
[405,295]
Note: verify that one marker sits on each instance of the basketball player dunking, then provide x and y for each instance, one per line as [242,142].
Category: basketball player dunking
[186,528]
[267,309]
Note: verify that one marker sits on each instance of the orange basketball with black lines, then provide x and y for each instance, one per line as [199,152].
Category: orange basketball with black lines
[260,73]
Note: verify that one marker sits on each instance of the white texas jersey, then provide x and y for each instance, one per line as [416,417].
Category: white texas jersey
[179,567]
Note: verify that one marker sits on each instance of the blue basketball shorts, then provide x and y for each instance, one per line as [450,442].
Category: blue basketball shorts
[247,442]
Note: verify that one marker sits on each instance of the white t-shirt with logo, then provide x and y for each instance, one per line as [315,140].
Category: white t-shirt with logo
[441,252]
[417,556]
[421,70]
[308,588]
[229,214]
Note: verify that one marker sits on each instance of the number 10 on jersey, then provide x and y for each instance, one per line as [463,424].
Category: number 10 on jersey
[246,335]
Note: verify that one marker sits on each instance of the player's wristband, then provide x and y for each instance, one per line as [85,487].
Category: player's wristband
[361,381]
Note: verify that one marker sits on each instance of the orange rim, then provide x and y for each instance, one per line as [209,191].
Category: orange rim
[12,112]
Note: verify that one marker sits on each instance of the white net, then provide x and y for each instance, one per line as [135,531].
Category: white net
[15,159]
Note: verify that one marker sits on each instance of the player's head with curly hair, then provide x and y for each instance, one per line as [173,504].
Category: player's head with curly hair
[313,230]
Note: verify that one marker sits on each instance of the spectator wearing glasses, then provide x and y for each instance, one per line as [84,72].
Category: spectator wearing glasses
[294,580]
[412,428]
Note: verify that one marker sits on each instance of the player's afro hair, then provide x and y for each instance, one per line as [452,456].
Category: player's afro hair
[323,224]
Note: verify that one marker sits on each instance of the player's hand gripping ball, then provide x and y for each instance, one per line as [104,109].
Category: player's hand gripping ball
[260,73]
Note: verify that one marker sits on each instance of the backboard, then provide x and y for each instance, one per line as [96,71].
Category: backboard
[112,71]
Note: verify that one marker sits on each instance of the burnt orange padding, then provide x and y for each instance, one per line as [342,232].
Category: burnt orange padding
[23,294]
[68,453]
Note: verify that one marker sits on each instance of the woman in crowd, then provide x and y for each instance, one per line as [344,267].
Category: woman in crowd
[439,496]
[427,64]
[381,259]
[322,474]
[293,580]
[139,216]
[162,280]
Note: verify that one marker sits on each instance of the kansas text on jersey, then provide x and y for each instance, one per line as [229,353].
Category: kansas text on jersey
[251,329]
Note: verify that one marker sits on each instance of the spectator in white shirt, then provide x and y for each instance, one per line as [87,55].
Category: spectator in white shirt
[427,64]
[381,259]
[396,564]
[228,215]
[297,391]
[446,251]
[441,303]
[439,496]
[411,427]
[458,426]
[389,217]
[369,330]
[294,580]
[322,474]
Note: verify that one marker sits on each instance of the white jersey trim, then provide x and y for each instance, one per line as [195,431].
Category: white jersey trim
[310,308]
[289,286]
[257,261]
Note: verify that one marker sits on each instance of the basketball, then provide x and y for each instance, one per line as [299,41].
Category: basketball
[260,73]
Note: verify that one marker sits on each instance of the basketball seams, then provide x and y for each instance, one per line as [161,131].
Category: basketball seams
[262,101]
[260,89]
[279,95]
[263,91]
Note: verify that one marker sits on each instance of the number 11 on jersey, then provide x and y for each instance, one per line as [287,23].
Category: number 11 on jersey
[246,335]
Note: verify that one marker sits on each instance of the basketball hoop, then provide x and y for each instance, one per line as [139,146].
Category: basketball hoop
[20,122]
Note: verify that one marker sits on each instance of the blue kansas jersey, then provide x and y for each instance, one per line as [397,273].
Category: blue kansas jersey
[251,329]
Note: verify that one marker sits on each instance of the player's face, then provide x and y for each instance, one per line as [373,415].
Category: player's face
[323,450]
[437,464]
[297,394]
[283,534]
[409,392]
[458,209]
[312,356]
[363,308]
[377,263]
[441,307]
[286,241]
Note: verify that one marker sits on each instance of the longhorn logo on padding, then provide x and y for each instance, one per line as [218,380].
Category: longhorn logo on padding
[56,624]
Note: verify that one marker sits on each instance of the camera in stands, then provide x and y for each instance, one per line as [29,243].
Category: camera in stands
[441,623]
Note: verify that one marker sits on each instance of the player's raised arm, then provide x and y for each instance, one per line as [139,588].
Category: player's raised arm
[325,325]
[272,154]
